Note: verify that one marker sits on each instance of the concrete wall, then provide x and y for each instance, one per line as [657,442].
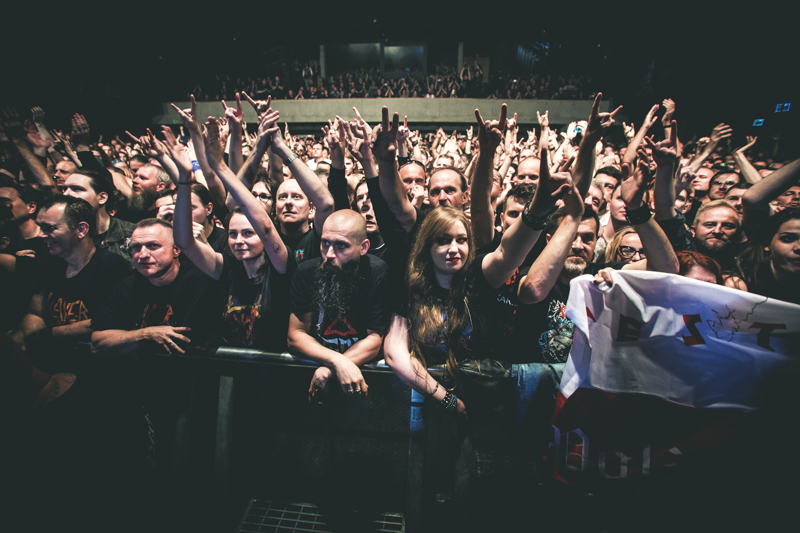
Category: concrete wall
[418,110]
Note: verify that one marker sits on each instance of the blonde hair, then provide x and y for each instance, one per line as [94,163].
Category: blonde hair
[616,241]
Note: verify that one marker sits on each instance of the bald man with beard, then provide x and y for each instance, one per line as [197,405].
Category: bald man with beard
[339,306]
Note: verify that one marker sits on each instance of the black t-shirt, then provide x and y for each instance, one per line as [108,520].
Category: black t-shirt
[81,297]
[256,311]
[71,300]
[38,246]
[370,312]
[508,320]
[191,300]
[550,331]
[218,239]
[479,299]
[17,288]
[304,247]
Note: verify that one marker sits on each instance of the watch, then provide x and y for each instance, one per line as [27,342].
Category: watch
[291,158]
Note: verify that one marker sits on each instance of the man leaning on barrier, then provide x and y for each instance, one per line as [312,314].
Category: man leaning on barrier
[166,304]
[338,305]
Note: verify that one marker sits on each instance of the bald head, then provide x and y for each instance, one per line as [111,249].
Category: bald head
[344,238]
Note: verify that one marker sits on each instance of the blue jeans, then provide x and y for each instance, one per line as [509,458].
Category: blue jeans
[537,384]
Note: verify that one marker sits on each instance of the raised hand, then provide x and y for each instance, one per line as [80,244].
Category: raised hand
[665,152]
[11,124]
[750,142]
[544,120]
[37,141]
[633,184]
[531,138]
[359,147]
[552,186]
[669,110]
[384,138]
[512,122]
[38,115]
[80,130]
[572,131]
[59,137]
[189,116]
[598,122]
[236,115]
[629,130]
[363,124]
[211,138]
[260,106]
[403,132]
[149,145]
[720,131]
[179,153]
[224,129]
[650,118]
[336,141]
[490,132]
[573,203]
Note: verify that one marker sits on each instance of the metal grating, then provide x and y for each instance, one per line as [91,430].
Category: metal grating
[275,517]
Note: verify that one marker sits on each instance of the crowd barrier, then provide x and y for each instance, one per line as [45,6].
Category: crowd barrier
[235,438]
[242,417]
[420,111]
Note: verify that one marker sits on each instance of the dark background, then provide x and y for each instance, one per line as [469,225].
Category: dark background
[116,63]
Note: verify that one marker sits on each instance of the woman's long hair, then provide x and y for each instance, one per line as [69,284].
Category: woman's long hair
[431,320]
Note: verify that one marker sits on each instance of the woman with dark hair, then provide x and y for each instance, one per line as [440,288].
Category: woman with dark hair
[256,279]
[773,268]
[265,189]
[441,320]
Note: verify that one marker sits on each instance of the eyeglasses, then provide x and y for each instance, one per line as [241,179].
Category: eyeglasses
[724,182]
[264,197]
[628,251]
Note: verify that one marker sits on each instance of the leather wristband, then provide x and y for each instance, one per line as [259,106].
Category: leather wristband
[531,220]
[449,402]
[639,215]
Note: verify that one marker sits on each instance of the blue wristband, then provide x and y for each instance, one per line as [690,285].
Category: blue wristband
[195,165]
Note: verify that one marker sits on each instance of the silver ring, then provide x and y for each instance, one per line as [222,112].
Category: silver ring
[351,391]
[358,391]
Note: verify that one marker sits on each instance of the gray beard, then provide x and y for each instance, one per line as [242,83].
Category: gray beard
[575,268]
